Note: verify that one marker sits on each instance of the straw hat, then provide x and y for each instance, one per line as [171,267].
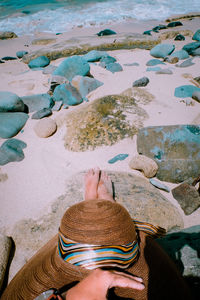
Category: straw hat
[106,226]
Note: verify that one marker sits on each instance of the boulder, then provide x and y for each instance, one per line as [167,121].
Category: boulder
[39,62]
[162,50]
[141,82]
[10,102]
[38,102]
[154,62]
[145,164]
[106,32]
[11,123]
[68,94]
[45,112]
[185,91]
[179,37]
[187,196]
[94,55]
[21,53]
[72,66]
[175,148]
[11,150]
[85,85]
[196,96]
[5,249]
[181,54]
[196,36]
[114,67]
[187,63]
[45,128]
[174,24]
[5,35]
[189,48]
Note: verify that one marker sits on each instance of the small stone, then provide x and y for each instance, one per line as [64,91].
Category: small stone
[141,82]
[171,59]
[94,55]
[11,150]
[147,32]
[154,69]
[179,37]
[9,58]
[114,67]
[196,36]
[154,62]
[117,157]
[145,164]
[162,50]
[187,63]
[45,127]
[159,185]
[159,27]
[45,112]
[187,196]
[20,54]
[164,71]
[39,62]
[57,106]
[10,102]
[106,32]
[174,24]
[49,69]
[5,248]
[181,54]
[11,123]
[68,94]
[135,64]
[4,35]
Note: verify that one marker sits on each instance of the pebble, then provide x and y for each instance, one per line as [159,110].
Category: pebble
[117,157]
[159,185]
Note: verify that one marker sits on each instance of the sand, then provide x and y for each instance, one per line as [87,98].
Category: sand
[35,182]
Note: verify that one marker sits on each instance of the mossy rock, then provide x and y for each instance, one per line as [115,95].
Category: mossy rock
[105,121]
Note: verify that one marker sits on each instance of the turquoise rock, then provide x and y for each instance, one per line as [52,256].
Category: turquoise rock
[154,62]
[155,69]
[39,62]
[181,54]
[147,32]
[174,24]
[85,85]
[196,36]
[72,66]
[11,123]
[159,185]
[117,157]
[45,112]
[107,60]
[185,91]
[179,37]
[114,67]
[20,54]
[11,150]
[196,52]
[106,32]
[187,63]
[38,102]
[10,102]
[94,55]
[162,50]
[191,47]
[67,94]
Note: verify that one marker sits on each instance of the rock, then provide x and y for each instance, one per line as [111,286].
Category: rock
[172,34]
[57,106]
[154,62]
[6,58]
[10,102]
[132,64]
[49,69]
[5,35]
[117,158]
[141,82]
[174,24]
[43,41]
[94,55]
[45,112]
[114,67]
[67,94]
[196,52]
[3,177]
[187,63]
[181,54]
[183,247]
[21,53]
[196,96]
[189,48]
[187,196]
[164,71]
[102,122]
[45,127]
[159,185]
[106,60]
[197,79]
[162,50]
[39,62]
[159,27]
[154,69]
[179,37]
[5,249]
[11,150]
[106,32]
[11,123]
[147,32]
[171,59]
[196,36]
[184,91]
[38,102]
[85,85]
[145,164]
[72,66]
[56,80]
[175,148]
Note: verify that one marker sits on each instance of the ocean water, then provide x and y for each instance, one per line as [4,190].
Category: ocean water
[57,16]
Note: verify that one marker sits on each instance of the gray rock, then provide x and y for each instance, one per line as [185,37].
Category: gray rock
[39,62]
[114,67]
[94,55]
[85,85]
[10,102]
[11,123]
[162,50]
[159,185]
[67,94]
[49,69]
[106,60]
[38,102]
[141,82]
[57,106]
[11,150]
[154,62]
[187,63]
[175,148]
[134,64]
[5,248]
[153,69]
[196,96]
[187,196]
[181,54]
[196,52]
[72,66]
[45,112]
[164,71]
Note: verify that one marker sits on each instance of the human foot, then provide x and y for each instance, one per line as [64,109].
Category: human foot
[91,184]
[105,188]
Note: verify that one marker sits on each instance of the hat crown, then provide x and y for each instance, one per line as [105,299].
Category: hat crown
[98,222]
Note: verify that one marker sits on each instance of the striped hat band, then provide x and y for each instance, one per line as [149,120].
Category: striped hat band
[96,256]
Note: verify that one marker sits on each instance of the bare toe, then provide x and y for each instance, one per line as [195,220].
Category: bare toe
[105,188]
[91,183]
